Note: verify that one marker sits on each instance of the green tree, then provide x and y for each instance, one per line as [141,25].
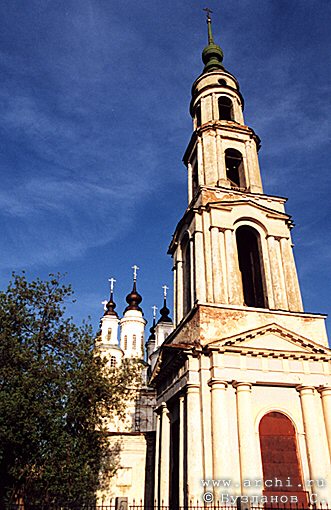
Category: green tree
[54,396]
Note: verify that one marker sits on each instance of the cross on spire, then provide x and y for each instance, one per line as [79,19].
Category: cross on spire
[165,288]
[209,12]
[111,284]
[104,303]
[135,269]
[154,308]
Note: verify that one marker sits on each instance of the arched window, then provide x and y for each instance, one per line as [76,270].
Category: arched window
[134,342]
[113,361]
[186,254]
[222,82]
[125,342]
[280,459]
[250,265]
[225,108]
[195,176]
[234,168]
[109,334]
[198,115]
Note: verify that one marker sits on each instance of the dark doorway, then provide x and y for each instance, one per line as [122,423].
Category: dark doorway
[280,457]
[225,108]
[234,168]
[250,265]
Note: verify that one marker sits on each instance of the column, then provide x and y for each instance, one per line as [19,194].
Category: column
[249,448]
[201,174]
[221,168]
[157,460]
[326,403]
[235,292]
[219,429]
[189,182]
[194,443]
[277,274]
[255,182]
[291,277]
[179,291]
[165,456]
[181,450]
[218,283]
[174,269]
[199,273]
[319,465]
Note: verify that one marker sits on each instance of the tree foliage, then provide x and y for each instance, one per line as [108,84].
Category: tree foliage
[54,395]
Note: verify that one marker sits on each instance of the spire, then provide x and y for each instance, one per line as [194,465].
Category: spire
[212,55]
[164,310]
[109,306]
[134,298]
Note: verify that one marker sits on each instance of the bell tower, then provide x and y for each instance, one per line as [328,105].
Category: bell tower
[244,381]
[233,246]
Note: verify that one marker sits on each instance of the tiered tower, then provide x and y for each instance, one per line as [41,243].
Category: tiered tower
[243,382]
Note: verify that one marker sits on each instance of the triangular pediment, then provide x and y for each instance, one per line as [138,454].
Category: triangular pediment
[230,204]
[272,338]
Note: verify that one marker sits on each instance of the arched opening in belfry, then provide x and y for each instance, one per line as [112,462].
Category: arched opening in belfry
[234,168]
[186,254]
[195,175]
[250,265]
[198,115]
[280,456]
[225,108]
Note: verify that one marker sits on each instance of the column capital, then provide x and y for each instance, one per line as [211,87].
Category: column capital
[324,390]
[305,390]
[214,382]
[242,386]
[192,387]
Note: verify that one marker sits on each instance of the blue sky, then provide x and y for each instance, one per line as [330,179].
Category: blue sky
[94,122]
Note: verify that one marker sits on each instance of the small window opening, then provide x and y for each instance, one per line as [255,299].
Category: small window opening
[234,168]
[134,342]
[112,361]
[125,342]
[250,265]
[109,334]
[225,108]
[222,82]
[198,115]
[195,177]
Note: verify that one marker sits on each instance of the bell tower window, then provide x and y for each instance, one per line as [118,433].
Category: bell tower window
[225,108]
[198,115]
[250,265]
[186,253]
[195,177]
[234,168]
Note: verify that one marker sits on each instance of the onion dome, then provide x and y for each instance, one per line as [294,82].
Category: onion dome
[110,306]
[133,299]
[164,312]
[152,331]
[212,55]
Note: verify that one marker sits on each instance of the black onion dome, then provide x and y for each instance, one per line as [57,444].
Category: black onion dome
[152,331]
[164,313]
[110,306]
[133,299]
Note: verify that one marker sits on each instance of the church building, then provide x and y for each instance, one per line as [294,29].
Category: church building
[239,385]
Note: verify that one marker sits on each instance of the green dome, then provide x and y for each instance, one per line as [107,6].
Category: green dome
[212,55]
